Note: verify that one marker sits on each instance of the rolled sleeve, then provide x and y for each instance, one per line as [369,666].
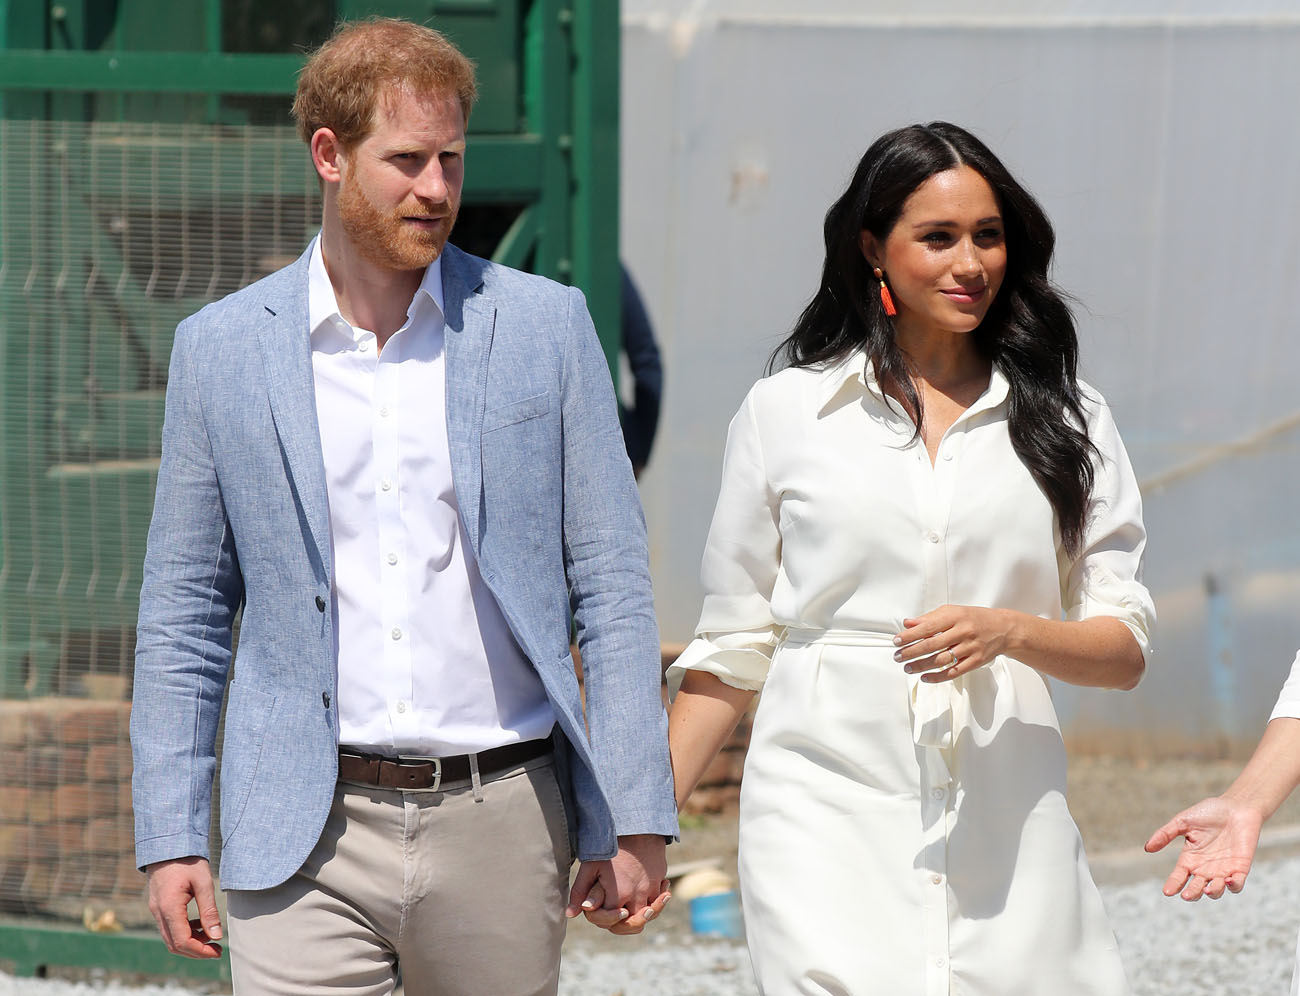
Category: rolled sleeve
[1105,579]
[1288,702]
[740,660]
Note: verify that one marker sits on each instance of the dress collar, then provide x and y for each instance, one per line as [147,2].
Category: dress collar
[856,371]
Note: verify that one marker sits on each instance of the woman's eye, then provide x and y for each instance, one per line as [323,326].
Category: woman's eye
[937,237]
[989,235]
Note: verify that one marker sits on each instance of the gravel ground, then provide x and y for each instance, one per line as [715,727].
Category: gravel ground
[1241,946]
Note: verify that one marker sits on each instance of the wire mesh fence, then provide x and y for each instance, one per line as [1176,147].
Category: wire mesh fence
[110,233]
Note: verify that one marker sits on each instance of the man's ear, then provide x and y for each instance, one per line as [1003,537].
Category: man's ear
[326,152]
[870,248]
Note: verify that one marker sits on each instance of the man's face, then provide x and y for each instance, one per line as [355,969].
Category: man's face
[400,186]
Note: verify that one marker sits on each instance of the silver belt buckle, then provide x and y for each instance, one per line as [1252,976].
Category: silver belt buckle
[437,771]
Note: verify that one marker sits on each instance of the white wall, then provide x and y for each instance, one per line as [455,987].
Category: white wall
[1165,149]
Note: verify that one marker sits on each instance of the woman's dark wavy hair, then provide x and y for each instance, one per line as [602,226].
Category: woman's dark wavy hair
[1028,331]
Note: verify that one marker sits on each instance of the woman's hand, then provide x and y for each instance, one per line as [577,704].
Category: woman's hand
[953,640]
[1219,840]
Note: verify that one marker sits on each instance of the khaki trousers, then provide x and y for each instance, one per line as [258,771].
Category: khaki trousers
[466,894]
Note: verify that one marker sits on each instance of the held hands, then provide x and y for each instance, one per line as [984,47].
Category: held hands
[172,884]
[1220,835]
[626,892]
[952,640]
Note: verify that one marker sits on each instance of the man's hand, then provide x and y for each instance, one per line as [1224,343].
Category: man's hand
[625,893]
[172,884]
[1220,835]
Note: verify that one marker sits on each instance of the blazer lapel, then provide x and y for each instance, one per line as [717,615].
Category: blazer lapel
[470,322]
[286,356]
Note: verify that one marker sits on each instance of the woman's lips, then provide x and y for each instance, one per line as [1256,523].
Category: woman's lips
[965,295]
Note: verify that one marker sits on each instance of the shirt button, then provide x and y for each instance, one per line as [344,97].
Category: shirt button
[938,793]
[947,456]
[401,707]
[933,537]
[392,558]
[320,602]
[383,412]
[939,963]
[937,880]
[364,345]
[397,633]
[386,484]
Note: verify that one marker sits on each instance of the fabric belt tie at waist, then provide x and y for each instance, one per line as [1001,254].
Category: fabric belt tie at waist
[930,703]
[431,772]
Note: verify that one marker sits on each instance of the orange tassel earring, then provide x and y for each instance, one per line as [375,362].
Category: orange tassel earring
[886,300]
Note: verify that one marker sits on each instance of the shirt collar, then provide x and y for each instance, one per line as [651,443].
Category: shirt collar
[859,372]
[323,305]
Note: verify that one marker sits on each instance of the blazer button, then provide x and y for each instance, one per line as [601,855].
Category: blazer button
[320,602]
[325,697]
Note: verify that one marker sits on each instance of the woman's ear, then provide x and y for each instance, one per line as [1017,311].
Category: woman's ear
[870,248]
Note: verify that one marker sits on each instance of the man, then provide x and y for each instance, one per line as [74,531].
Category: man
[405,464]
[640,420]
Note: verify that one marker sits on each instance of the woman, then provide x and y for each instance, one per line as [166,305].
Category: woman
[906,514]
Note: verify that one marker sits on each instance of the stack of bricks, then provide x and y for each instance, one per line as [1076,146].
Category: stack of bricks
[66,838]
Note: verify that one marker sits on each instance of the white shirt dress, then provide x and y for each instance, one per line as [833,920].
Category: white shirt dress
[902,838]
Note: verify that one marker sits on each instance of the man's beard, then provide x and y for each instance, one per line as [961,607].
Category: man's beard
[385,239]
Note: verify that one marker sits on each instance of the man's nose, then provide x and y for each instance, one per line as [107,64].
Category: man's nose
[431,184]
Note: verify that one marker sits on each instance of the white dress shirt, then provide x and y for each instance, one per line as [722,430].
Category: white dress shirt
[944,804]
[426,662]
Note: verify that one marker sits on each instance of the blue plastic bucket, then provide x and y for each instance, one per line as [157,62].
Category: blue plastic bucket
[718,914]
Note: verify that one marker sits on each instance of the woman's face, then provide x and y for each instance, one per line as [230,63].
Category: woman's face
[945,257]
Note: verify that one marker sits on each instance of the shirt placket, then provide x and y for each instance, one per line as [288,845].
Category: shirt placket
[935,488]
[394,601]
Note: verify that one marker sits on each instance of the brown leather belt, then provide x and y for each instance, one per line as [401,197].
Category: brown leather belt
[429,773]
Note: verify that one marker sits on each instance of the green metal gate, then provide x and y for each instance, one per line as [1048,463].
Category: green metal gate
[147,166]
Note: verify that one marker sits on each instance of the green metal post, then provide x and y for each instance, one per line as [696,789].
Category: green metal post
[594,206]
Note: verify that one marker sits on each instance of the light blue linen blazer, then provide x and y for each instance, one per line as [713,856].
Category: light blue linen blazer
[241,518]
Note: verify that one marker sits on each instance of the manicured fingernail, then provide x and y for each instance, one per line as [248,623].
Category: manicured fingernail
[623,914]
[668,898]
[898,655]
[215,932]
[587,904]
[907,668]
[898,641]
[650,914]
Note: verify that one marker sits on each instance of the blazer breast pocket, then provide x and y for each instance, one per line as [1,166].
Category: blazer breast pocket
[516,411]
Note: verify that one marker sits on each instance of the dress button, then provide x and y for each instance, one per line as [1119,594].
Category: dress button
[937,879]
[386,484]
[939,963]
[401,707]
[938,793]
[933,537]
[320,603]
[947,456]
[392,558]
[397,633]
